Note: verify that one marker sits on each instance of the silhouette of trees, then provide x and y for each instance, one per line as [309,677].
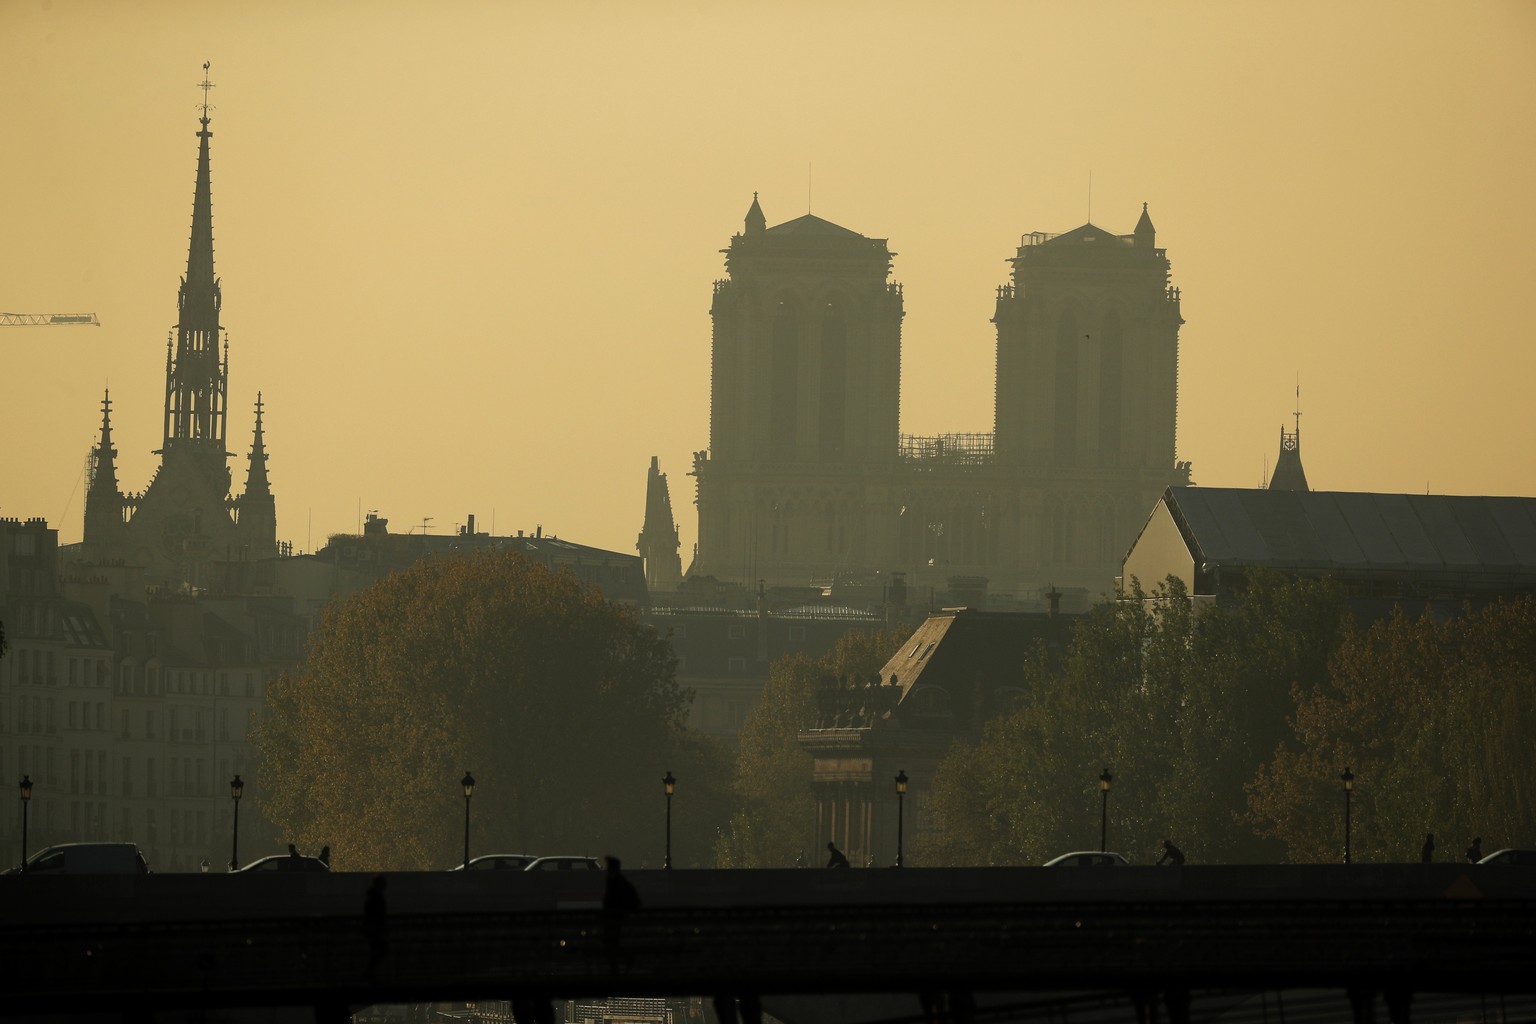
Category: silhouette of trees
[1183,706]
[563,705]
[776,817]
[1435,718]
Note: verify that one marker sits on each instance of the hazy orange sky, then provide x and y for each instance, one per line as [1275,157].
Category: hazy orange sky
[467,248]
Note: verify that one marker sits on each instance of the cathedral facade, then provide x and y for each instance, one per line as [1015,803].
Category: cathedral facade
[808,479]
[186,521]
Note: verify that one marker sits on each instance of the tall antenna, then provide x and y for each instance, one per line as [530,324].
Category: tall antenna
[206,85]
[1298,406]
[807,186]
[1090,195]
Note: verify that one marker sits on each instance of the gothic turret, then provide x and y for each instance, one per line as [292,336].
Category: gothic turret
[1146,234]
[658,544]
[756,222]
[256,510]
[103,501]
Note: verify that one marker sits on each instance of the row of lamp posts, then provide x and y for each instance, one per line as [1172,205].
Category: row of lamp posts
[669,786]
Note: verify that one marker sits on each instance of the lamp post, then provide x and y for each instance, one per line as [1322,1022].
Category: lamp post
[669,786]
[1104,780]
[236,790]
[1348,778]
[901,799]
[468,782]
[26,802]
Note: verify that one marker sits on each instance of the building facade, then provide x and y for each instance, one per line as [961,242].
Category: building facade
[807,477]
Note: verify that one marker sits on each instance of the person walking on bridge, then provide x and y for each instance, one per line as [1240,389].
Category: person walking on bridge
[1475,851]
[836,858]
[1427,854]
[1172,853]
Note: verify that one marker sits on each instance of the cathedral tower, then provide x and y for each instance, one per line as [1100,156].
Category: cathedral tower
[804,398]
[1087,352]
[186,519]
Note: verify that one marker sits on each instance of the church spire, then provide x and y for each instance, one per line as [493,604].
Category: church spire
[104,503]
[658,544]
[256,476]
[1289,476]
[104,457]
[196,383]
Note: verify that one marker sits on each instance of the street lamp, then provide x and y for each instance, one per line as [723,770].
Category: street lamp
[901,799]
[26,802]
[1348,778]
[1104,781]
[236,790]
[468,782]
[669,785]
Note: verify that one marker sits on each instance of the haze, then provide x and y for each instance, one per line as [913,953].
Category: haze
[467,249]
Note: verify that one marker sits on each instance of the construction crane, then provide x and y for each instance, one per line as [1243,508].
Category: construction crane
[47,319]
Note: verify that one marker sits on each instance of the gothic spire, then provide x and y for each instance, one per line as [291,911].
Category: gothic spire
[256,476]
[104,503]
[197,383]
[104,458]
[1289,476]
[658,544]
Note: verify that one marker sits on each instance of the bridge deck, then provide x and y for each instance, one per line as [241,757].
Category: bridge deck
[188,940]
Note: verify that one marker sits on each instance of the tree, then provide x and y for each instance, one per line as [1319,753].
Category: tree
[776,822]
[1182,706]
[562,704]
[1434,716]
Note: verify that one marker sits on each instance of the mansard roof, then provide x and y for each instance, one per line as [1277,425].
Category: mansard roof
[1462,538]
[812,225]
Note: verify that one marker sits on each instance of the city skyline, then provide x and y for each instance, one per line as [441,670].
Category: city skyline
[466,254]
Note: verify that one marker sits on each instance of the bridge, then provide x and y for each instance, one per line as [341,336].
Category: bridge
[961,939]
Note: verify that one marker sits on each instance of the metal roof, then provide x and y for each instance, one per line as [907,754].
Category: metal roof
[1358,533]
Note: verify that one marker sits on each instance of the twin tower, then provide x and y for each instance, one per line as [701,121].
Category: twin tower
[808,479]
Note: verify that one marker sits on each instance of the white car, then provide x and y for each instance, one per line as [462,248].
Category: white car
[1088,859]
[565,864]
[1525,858]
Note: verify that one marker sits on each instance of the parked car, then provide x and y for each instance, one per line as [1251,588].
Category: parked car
[283,862]
[565,864]
[1524,858]
[85,859]
[1088,859]
[498,862]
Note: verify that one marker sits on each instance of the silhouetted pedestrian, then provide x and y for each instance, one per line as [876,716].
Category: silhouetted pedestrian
[1475,851]
[325,855]
[1427,854]
[835,858]
[1172,853]
[619,901]
[293,851]
[376,925]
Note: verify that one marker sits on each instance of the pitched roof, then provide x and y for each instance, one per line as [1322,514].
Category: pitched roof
[811,224]
[1088,234]
[1462,536]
